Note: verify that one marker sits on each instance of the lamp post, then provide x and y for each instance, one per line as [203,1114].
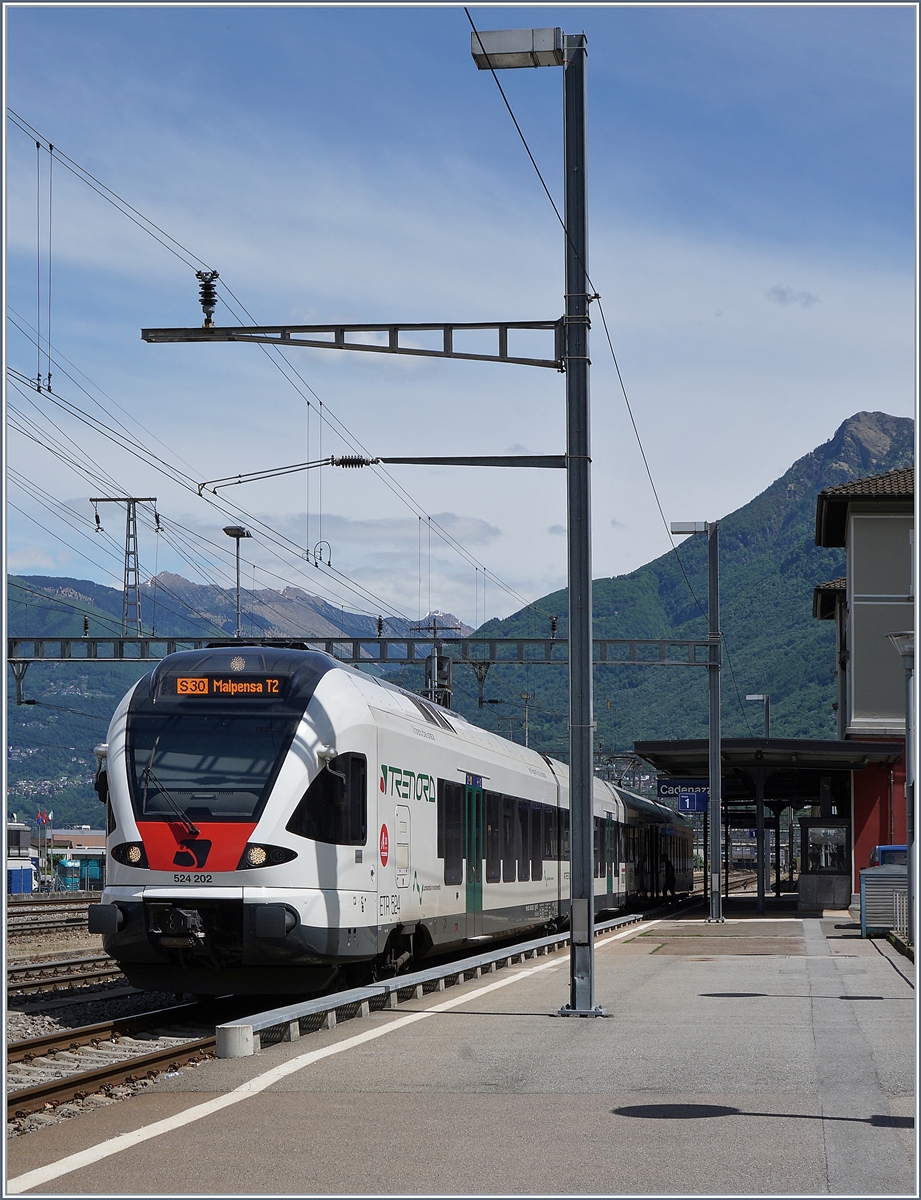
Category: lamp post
[905,644]
[499,50]
[712,530]
[237,532]
[766,701]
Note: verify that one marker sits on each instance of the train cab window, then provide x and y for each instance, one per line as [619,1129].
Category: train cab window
[493,837]
[509,841]
[524,840]
[451,829]
[334,809]
[537,841]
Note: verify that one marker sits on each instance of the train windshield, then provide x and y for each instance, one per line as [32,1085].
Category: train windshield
[198,766]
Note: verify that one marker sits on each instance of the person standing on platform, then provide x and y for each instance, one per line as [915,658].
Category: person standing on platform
[669,879]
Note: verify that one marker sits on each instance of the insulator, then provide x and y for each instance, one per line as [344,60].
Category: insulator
[380,626]
[351,460]
[207,294]
[553,627]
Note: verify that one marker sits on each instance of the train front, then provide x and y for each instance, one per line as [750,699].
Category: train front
[236,788]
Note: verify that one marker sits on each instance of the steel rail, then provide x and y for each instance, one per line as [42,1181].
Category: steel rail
[86,1035]
[76,1087]
[41,977]
[17,928]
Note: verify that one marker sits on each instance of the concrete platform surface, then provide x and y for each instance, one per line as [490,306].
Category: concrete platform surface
[758,1057]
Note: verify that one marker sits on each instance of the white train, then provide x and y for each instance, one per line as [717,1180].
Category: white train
[275,818]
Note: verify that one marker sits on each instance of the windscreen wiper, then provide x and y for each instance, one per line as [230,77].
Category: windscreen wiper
[177,808]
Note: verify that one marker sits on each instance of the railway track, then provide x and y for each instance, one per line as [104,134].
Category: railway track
[71,1064]
[59,973]
[25,917]
[25,928]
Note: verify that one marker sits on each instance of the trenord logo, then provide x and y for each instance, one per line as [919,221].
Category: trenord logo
[408,785]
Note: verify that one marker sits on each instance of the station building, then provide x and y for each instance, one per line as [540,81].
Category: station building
[847,794]
[873,520]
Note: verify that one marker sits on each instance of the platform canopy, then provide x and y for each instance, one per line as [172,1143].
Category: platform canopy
[790,769]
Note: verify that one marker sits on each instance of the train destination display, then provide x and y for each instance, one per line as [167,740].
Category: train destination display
[212,685]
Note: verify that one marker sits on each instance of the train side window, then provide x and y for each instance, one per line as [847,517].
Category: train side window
[493,837]
[550,834]
[334,809]
[598,840]
[537,841]
[451,829]
[509,855]
[524,840]
[564,834]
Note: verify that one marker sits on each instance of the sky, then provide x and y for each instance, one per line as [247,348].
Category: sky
[751,178]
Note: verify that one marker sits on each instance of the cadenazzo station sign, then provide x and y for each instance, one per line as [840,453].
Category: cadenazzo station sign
[684,795]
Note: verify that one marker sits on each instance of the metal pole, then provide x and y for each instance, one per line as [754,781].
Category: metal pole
[777,854]
[705,846]
[578,506]
[767,716]
[759,830]
[790,815]
[909,663]
[237,634]
[713,607]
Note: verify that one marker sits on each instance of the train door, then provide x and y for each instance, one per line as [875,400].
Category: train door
[403,856]
[610,854]
[473,853]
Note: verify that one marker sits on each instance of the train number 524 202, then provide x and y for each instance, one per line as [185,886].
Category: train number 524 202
[191,879]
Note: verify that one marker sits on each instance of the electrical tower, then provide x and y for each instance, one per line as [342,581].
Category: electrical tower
[131,595]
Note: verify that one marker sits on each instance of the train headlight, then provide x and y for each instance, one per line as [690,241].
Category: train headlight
[264,856]
[130,854]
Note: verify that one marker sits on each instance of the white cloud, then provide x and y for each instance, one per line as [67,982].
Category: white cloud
[787,295]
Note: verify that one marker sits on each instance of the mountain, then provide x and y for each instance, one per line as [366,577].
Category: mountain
[769,564]
[173,606]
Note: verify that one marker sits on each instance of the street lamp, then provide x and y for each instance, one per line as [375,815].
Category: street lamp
[905,644]
[497,50]
[712,530]
[766,701]
[236,532]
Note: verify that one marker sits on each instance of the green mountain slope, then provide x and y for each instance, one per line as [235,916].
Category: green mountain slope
[769,564]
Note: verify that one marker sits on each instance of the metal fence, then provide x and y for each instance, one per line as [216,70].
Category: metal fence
[900,914]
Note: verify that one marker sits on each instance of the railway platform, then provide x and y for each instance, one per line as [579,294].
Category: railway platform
[771,1055]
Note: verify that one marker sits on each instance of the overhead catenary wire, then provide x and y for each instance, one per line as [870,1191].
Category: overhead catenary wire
[128,442]
[185,255]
